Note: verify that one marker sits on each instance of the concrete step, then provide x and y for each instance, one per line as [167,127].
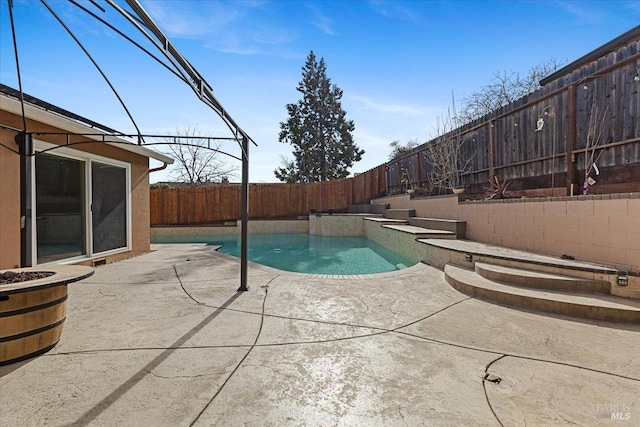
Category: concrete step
[541,280]
[421,233]
[403,214]
[588,306]
[455,226]
[384,220]
[459,249]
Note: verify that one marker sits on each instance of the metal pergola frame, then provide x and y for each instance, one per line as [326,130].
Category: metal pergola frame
[179,66]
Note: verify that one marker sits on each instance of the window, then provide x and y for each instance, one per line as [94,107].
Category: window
[82,205]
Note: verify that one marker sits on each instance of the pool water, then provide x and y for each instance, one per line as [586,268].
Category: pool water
[315,254]
[303,253]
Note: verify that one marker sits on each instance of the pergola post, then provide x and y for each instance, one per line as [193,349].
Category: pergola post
[25,148]
[245,215]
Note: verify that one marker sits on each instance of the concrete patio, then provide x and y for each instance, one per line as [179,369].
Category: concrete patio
[164,339]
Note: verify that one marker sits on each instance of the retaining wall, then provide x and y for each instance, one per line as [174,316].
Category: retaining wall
[234,227]
[601,228]
[404,244]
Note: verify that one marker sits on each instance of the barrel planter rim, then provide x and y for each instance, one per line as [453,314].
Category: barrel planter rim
[62,275]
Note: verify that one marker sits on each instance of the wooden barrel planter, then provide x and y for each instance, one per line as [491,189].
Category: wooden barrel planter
[32,312]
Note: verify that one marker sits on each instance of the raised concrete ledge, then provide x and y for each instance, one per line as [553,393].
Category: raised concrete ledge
[455,226]
[521,257]
[386,220]
[613,196]
[368,209]
[439,220]
[404,214]
[419,231]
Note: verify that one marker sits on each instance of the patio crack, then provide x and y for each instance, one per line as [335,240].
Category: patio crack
[175,269]
[518,356]
[105,295]
[432,314]
[167,377]
[255,342]
[379,331]
[484,386]
[125,387]
[333,323]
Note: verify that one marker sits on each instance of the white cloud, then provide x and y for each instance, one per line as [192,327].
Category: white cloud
[387,108]
[228,27]
[181,19]
[322,21]
[396,10]
[580,10]
[633,6]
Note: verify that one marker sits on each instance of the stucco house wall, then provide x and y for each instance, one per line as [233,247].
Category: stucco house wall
[9,202]
[10,187]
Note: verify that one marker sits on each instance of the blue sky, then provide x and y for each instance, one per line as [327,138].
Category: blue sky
[396,61]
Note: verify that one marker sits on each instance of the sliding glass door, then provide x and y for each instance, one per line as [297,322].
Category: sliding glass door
[60,208]
[108,207]
[82,206]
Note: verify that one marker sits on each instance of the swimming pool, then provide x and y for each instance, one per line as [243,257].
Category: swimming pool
[303,253]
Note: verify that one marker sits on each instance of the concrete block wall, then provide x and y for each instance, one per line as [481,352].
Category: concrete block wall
[601,228]
[349,225]
[404,244]
[452,225]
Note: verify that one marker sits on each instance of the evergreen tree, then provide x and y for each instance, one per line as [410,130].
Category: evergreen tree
[323,146]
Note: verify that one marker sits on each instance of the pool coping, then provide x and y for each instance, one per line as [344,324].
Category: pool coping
[213,250]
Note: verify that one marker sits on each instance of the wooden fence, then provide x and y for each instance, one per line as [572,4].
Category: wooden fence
[505,143]
[219,203]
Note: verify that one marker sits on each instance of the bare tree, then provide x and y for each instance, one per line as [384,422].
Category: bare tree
[504,88]
[446,165]
[398,149]
[595,133]
[197,161]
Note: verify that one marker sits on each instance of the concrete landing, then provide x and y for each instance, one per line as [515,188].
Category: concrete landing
[499,252]
[164,339]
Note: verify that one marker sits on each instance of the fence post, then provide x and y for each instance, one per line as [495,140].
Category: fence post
[492,150]
[571,139]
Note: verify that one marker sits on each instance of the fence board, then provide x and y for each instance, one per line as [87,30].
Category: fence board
[220,203]
[522,154]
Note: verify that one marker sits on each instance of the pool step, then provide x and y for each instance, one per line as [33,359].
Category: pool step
[383,220]
[455,226]
[572,301]
[421,233]
[540,280]
[403,214]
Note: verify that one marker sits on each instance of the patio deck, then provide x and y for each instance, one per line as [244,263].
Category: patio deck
[165,339]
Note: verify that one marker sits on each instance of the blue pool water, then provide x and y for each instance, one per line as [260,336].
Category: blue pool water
[303,253]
